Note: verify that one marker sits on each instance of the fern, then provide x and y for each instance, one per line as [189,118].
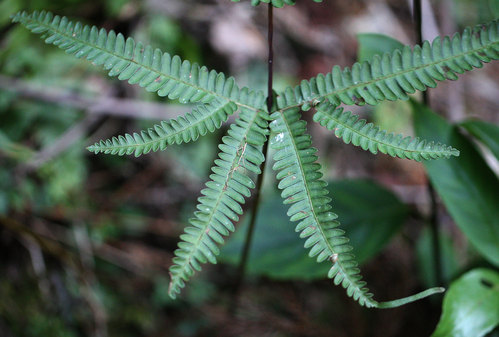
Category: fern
[299,176]
[392,76]
[203,119]
[300,181]
[220,205]
[351,129]
[150,68]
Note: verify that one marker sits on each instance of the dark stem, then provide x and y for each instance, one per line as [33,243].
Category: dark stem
[418,28]
[433,217]
[270,39]
[241,270]
[418,20]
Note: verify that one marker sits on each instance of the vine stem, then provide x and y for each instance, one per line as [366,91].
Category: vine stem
[433,217]
[241,270]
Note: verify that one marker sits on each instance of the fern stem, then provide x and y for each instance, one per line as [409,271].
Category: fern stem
[409,299]
[433,218]
[270,38]
[417,20]
[417,9]
[241,270]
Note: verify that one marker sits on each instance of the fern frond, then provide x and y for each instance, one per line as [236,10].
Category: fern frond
[220,205]
[351,129]
[150,68]
[302,188]
[275,3]
[393,76]
[184,129]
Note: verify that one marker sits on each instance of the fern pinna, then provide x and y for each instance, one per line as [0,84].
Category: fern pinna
[388,77]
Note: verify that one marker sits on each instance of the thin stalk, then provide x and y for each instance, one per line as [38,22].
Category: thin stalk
[417,9]
[433,217]
[241,270]
[270,39]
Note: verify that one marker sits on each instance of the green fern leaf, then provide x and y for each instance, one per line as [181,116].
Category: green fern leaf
[220,205]
[402,72]
[351,129]
[275,3]
[299,177]
[302,188]
[184,129]
[150,68]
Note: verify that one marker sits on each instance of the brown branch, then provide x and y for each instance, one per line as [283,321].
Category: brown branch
[71,136]
[109,106]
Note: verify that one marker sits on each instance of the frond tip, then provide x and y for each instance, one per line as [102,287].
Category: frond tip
[351,129]
[184,129]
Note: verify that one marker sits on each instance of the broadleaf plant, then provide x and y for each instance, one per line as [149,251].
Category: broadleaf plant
[392,76]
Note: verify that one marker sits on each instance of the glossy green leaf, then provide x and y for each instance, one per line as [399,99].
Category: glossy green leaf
[371,44]
[485,132]
[467,186]
[471,305]
[369,213]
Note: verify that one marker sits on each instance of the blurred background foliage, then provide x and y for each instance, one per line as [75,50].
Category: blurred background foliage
[86,241]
